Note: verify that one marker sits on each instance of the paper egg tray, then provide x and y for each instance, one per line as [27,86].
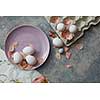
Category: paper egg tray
[82,22]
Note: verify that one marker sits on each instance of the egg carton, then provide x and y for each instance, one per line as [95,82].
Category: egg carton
[82,22]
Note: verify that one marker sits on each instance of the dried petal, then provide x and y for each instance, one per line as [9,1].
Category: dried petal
[79,46]
[67,21]
[68,66]
[10,54]
[55,19]
[68,55]
[69,36]
[52,34]
[40,79]
[66,49]
[64,34]
[23,64]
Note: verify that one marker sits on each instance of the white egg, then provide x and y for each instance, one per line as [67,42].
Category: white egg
[61,50]
[73,28]
[17,57]
[60,27]
[28,50]
[57,42]
[31,60]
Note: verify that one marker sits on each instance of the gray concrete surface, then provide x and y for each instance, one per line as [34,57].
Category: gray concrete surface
[86,63]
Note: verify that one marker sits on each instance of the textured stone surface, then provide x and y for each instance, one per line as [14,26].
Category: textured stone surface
[86,63]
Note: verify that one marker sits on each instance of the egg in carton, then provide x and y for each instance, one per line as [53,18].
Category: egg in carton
[82,22]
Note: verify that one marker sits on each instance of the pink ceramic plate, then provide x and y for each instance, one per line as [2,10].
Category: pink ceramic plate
[28,34]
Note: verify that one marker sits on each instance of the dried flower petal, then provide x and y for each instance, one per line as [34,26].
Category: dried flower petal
[66,49]
[68,55]
[79,46]
[23,64]
[64,34]
[40,79]
[68,66]
[52,34]
[67,21]
[69,36]
[13,46]
[10,54]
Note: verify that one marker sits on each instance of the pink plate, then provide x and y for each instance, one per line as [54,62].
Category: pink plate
[25,35]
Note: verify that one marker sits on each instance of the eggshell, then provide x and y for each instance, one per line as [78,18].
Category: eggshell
[73,28]
[60,27]
[57,42]
[28,50]
[31,60]
[17,57]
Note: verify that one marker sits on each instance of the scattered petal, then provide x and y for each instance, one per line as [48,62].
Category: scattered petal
[13,46]
[23,64]
[10,54]
[68,55]
[79,46]
[64,34]
[68,66]
[69,36]
[67,21]
[54,46]
[40,79]
[66,49]
[52,34]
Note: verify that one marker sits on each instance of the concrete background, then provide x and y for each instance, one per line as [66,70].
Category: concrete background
[86,63]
